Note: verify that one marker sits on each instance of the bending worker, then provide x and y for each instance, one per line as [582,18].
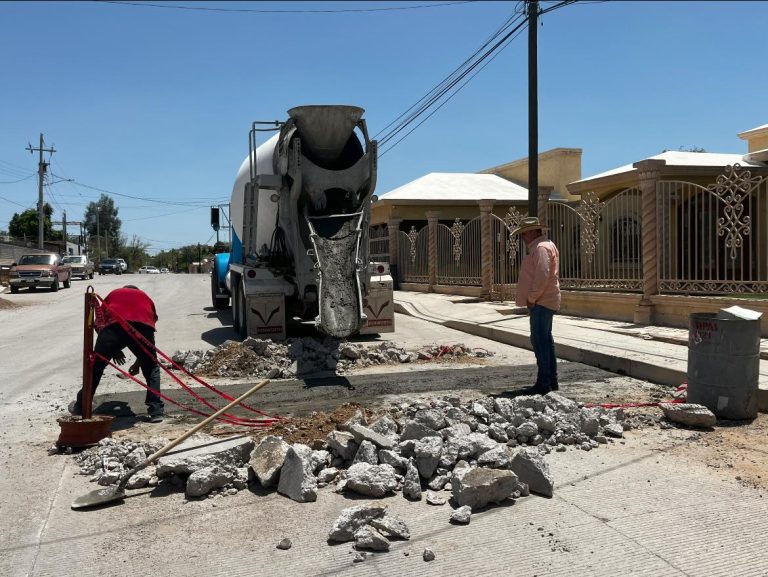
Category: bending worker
[134,306]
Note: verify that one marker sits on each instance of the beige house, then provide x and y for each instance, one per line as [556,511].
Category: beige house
[648,242]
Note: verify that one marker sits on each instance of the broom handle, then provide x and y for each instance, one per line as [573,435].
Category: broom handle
[192,431]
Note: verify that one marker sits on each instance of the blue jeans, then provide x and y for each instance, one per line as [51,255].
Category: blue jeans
[543,345]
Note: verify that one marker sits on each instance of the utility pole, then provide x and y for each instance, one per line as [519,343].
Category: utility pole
[64,222]
[533,108]
[64,226]
[199,259]
[98,235]
[41,166]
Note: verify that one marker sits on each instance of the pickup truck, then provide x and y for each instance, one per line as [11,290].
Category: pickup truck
[34,270]
[81,266]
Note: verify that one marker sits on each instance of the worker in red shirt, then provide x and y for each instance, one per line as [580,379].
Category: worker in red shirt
[135,306]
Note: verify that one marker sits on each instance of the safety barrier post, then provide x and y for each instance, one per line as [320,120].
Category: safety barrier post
[86,404]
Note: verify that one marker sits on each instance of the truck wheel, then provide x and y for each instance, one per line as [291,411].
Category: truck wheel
[218,300]
[235,303]
[90,276]
[55,285]
[14,289]
[68,282]
[243,314]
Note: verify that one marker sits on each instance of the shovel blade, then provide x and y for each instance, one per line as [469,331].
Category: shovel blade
[98,497]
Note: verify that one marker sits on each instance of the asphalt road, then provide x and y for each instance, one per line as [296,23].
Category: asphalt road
[638,507]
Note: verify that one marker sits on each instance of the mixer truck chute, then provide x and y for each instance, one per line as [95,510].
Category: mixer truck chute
[300,212]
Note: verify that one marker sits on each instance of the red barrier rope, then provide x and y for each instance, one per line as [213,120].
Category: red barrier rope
[145,346]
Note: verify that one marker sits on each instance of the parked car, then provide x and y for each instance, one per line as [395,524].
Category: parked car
[110,266]
[81,265]
[164,271]
[45,269]
[148,270]
[123,265]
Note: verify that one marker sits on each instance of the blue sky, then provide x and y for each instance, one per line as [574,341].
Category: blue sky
[156,102]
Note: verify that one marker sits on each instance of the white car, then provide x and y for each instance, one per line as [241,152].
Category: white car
[123,265]
[164,271]
[148,270]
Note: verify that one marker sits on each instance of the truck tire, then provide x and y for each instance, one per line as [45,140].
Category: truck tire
[55,285]
[243,313]
[68,282]
[14,289]
[235,281]
[90,276]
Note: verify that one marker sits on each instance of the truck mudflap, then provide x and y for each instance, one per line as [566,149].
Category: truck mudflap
[266,316]
[379,306]
[336,241]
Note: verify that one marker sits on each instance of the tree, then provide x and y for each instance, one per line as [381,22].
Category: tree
[25,224]
[134,252]
[102,223]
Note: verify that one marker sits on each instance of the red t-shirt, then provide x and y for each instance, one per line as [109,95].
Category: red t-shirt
[132,305]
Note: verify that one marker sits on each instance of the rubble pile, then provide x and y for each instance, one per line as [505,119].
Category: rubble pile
[268,359]
[204,465]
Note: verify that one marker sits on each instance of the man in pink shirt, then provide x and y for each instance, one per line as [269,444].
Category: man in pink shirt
[538,288]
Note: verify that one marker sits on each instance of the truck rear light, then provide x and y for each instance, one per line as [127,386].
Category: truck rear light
[251,273]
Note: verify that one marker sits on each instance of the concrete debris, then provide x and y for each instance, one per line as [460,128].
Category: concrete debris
[391,527]
[366,537]
[428,555]
[203,481]
[434,499]
[305,356]
[362,433]
[388,457]
[477,487]
[372,480]
[462,515]
[297,479]
[366,454]
[427,454]
[342,444]
[200,451]
[267,459]
[352,518]
[531,469]
[412,482]
[689,414]
[284,544]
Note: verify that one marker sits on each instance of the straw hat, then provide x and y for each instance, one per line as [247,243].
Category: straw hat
[529,223]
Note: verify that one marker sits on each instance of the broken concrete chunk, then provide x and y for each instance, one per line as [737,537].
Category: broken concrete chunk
[327,475]
[385,425]
[199,452]
[357,419]
[267,459]
[366,537]
[428,555]
[391,526]
[462,515]
[362,433]
[367,453]
[455,430]
[476,487]
[613,430]
[439,482]
[435,499]
[417,431]
[500,457]
[389,457]
[412,482]
[689,414]
[531,469]
[319,459]
[352,518]
[297,480]
[371,480]
[342,444]
[284,544]
[427,455]
[203,481]
[430,418]
[349,351]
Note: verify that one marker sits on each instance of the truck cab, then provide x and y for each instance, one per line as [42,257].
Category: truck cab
[35,270]
[81,265]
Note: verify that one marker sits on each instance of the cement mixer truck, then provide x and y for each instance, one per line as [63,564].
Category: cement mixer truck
[300,213]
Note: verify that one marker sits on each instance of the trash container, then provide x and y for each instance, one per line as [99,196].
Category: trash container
[724,364]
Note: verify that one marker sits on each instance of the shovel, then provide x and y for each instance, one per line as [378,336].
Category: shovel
[115,493]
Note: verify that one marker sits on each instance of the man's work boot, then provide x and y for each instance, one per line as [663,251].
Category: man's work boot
[75,409]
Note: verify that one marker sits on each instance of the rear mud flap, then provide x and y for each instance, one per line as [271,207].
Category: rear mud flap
[336,240]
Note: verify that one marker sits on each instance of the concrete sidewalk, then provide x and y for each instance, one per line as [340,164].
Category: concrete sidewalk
[656,354]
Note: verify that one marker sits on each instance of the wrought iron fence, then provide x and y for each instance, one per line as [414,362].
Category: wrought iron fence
[378,240]
[458,253]
[600,243]
[507,254]
[413,255]
[712,239]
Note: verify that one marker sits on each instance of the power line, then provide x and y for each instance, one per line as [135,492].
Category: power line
[20,180]
[25,207]
[296,11]
[454,80]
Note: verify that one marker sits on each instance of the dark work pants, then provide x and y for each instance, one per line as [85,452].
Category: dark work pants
[113,339]
[543,345]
